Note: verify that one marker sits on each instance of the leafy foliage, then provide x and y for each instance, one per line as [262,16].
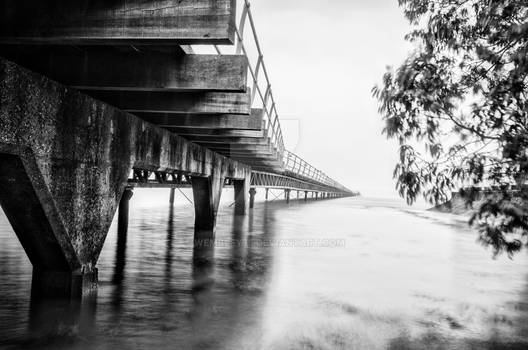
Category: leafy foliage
[458,108]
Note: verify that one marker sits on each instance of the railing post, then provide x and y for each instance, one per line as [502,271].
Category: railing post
[240,30]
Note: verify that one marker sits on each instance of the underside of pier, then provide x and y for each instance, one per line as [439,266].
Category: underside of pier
[65,163]
[100,96]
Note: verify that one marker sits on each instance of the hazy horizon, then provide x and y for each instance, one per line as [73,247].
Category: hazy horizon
[322,72]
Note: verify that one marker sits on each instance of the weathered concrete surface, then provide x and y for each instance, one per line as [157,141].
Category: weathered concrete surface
[177,102]
[206,121]
[242,195]
[104,68]
[118,22]
[226,133]
[207,192]
[124,206]
[243,148]
[230,140]
[68,157]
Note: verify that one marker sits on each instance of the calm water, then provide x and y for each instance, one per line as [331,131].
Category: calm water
[350,273]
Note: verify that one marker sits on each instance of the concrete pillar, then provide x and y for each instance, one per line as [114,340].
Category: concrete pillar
[287,194]
[52,316]
[122,232]
[252,193]
[267,193]
[206,194]
[62,268]
[63,284]
[316,195]
[305,196]
[241,196]
[122,220]
[171,198]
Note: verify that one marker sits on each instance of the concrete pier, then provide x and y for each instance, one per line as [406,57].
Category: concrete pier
[65,162]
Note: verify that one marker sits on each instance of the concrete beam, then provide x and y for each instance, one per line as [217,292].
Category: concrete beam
[258,161]
[157,185]
[205,121]
[65,161]
[118,22]
[103,68]
[243,148]
[206,140]
[261,155]
[177,102]
[224,133]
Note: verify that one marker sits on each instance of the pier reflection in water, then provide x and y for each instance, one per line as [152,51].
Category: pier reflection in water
[389,278]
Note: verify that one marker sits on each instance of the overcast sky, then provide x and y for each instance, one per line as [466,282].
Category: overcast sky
[324,57]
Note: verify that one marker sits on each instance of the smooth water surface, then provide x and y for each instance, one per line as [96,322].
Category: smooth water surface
[350,273]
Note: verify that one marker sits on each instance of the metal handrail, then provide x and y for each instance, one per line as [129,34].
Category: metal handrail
[297,165]
[272,125]
[272,121]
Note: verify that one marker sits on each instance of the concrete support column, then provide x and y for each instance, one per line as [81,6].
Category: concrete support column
[252,193]
[241,196]
[316,195]
[206,194]
[63,284]
[287,194]
[122,220]
[305,196]
[267,193]
[171,198]
[122,233]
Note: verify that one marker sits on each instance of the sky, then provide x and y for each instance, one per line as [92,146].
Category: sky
[323,59]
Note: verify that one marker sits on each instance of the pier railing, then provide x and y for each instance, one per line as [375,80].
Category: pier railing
[248,44]
[298,166]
